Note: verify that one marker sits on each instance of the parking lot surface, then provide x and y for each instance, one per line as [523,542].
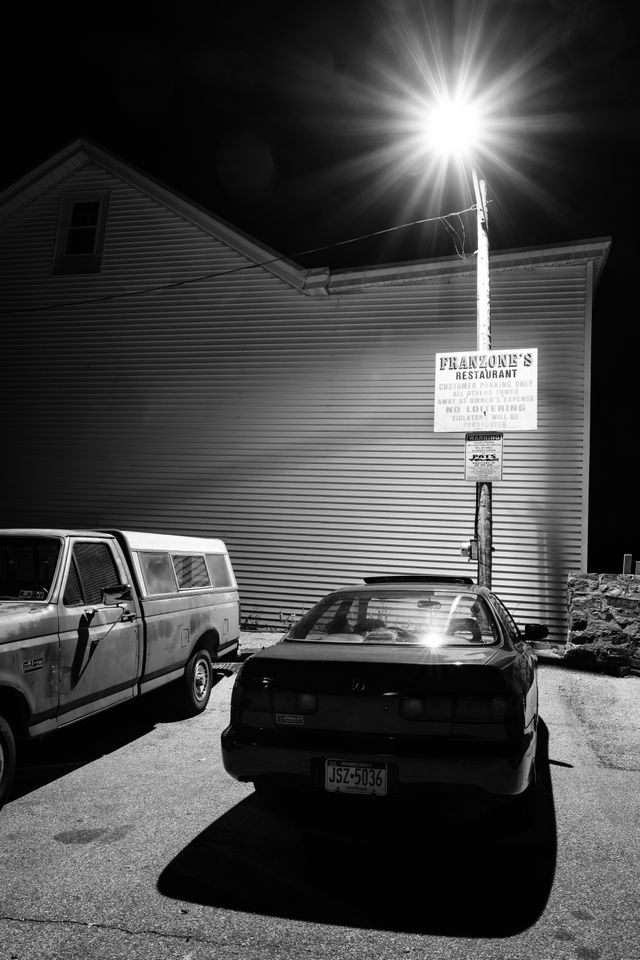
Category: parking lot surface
[126,838]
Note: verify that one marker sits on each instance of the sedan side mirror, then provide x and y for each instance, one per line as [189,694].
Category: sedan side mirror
[535,631]
[119,593]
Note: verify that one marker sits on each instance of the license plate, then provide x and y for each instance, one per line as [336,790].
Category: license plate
[347,776]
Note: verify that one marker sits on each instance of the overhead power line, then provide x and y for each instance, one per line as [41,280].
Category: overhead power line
[443,218]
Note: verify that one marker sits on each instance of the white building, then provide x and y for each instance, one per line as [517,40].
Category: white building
[163,371]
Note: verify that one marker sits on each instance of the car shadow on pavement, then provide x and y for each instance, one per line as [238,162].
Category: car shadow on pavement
[60,753]
[431,867]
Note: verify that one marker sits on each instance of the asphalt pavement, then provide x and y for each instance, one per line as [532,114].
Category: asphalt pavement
[127,839]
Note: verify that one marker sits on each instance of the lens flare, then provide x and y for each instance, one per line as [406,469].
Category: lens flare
[453,128]
[444,89]
[433,640]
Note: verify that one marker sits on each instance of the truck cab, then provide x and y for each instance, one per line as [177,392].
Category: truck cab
[89,619]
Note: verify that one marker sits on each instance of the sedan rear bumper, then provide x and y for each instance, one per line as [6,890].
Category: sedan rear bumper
[247,760]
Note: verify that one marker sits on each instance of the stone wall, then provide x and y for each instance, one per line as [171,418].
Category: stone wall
[604,621]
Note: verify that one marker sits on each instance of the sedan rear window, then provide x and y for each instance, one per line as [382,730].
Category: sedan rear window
[432,618]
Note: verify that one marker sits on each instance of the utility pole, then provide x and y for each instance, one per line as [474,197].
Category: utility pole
[484,519]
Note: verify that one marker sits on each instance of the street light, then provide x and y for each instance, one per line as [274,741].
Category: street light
[453,128]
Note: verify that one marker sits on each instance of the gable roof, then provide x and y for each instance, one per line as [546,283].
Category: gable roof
[82,151]
[311,281]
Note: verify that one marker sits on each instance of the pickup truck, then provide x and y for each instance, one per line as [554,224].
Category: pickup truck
[91,618]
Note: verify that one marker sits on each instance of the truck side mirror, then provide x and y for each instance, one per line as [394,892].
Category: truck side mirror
[119,593]
[535,631]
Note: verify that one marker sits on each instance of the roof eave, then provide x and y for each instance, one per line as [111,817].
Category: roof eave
[595,251]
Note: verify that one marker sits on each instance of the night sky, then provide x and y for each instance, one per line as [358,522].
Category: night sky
[295,121]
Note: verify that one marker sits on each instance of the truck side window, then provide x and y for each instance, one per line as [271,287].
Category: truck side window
[219,570]
[72,591]
[191,571]
[158,573]
[92,568]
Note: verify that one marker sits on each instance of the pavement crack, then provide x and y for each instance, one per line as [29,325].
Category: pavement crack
[108,927]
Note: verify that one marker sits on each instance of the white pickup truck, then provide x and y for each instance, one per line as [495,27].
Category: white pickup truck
[89,619]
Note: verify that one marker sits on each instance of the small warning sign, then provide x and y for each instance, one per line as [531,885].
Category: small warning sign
[483,456]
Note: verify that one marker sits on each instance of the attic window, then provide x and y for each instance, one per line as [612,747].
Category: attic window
[81,227]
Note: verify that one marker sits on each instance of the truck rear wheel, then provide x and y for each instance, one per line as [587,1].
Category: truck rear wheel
[7,760]
[198,682]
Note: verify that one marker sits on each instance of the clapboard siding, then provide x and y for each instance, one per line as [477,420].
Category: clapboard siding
[297,428]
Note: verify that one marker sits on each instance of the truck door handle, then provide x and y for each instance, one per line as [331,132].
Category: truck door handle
[127,616]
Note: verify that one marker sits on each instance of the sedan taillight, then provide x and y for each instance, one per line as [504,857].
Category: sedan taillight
[259,696]
[465,709]
[431,708]
[483,709]
[286,701]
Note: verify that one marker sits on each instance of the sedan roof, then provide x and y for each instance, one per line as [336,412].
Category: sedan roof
[417,578]
[401,583]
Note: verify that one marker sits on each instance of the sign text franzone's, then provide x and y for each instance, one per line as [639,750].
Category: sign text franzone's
[491,365]
[486,390]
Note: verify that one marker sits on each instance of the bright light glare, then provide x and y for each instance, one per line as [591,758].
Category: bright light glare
[433,640]
[444,98]
[453,128]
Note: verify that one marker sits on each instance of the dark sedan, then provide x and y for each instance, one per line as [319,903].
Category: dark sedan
[398,683]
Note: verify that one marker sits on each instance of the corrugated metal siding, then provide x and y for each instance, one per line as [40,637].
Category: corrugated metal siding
[300,430]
